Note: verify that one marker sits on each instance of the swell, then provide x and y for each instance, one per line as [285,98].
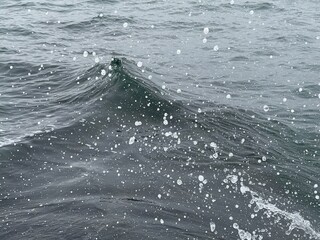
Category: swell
[119,94]
[60,98]
[78,155]
[97,22]
[122,89]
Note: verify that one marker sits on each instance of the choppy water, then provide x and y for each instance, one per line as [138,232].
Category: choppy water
[159,119]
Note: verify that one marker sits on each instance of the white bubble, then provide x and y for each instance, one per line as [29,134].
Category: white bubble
[139,64]
[201,178]
[206,30]
[101,15]
[165,122]
[264,158]
[228,96]
[284,99]
[178,90]
[212,226]
[11,67]
[204,40]
[251,12]
[216,48]
[150,77]
[317,197]
[231,2]
[125,25]
[231,154]
[213,145]
[233,179]
[300,89]
[97,60]
[138,123]
[159,196]
[235,226]
[315,186]
[178,51]
[179,182]
[161,221]
[103,72]
[85,54]
[131,140]
[266,108]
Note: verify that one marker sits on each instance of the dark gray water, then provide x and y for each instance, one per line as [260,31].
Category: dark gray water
[159,119]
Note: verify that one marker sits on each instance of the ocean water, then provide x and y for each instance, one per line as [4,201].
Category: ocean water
[159,119]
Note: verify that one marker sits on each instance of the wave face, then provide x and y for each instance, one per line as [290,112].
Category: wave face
[175,137]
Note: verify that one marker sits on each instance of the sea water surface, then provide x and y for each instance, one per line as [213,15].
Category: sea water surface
[159,119]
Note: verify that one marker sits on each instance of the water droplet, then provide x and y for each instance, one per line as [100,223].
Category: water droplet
[201,178]
[85,54]
[131,140]
[206,30]
[139,64]
[212,226]
[138,123]
[266,108]
[213,145]
[179,182]
[125,25]
[235,226]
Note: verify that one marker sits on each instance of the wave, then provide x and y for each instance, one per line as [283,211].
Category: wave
[111,119]
[98,91]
